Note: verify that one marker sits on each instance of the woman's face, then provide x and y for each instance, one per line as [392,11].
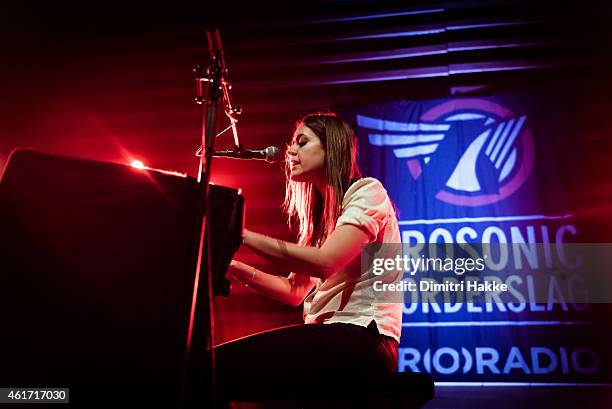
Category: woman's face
[306,156]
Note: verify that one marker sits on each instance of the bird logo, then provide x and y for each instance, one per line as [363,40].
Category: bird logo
[469,152]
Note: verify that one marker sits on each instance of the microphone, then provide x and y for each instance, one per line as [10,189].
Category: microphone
[269,154]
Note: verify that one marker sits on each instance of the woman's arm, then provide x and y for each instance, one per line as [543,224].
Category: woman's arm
[289,291]
[340,248]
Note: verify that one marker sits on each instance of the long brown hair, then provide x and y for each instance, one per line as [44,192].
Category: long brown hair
[317,212]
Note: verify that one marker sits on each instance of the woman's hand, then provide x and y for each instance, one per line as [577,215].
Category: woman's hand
[341,247]
[234,270]
[246,234]
[277,287]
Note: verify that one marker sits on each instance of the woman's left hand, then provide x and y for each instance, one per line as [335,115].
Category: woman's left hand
[232,269]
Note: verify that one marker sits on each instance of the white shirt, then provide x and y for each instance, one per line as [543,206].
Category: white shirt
[348,296]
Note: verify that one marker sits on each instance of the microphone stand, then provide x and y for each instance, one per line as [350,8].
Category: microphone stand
[198,386]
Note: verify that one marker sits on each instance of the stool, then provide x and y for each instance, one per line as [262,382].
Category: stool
[404,390]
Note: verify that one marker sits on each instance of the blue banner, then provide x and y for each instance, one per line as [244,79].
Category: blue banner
[484,170]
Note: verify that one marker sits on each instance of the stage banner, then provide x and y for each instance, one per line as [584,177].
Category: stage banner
[490,176]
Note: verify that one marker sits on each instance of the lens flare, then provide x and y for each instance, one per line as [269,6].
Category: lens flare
[138,164]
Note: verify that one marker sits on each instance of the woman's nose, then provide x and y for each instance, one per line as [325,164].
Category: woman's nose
[291,151]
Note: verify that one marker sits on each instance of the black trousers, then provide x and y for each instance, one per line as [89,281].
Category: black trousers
[288,361]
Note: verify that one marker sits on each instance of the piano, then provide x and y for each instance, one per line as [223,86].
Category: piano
[97,265]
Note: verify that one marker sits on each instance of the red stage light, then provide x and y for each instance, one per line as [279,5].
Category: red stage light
[137,164]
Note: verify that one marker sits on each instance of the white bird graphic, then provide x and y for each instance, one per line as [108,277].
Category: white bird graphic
[491,147]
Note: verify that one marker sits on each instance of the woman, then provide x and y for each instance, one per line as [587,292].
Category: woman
[350,327]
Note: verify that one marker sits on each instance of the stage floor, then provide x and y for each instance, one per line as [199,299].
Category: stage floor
[524,397]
